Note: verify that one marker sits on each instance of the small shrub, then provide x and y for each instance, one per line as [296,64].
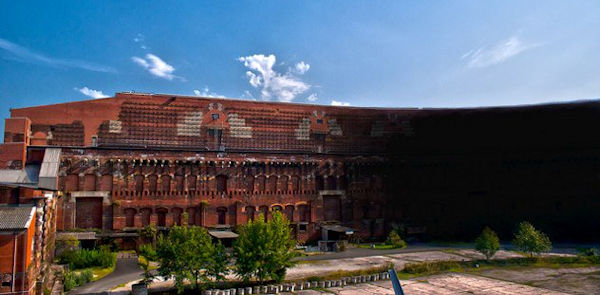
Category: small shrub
[487,243]
[73,279]
[530,240]
[588,251]
[84,258]
[395,240]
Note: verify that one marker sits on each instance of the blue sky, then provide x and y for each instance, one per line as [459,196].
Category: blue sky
[362,53]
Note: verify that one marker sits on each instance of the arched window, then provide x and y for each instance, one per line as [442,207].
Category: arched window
[319,182]
[261,183]
[331,182]
[283,183]
[191,182]
[272,185]
[249,183]
[289,212]
[106,182]
[276,208]
[166,183]
[176,212]
[295,183]
[222,215]
[250,213]
[139,183]
[130,217]
[221,183]
[90,182]
[191,211]
[303,213]
[72,183]
[161,217]
[146,212]
[179,183]
[264,210]
[152,183]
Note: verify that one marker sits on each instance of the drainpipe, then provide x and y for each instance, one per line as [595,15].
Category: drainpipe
[24,260]
[14,266]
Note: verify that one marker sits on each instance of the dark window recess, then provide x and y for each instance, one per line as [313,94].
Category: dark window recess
[319,121]
[302,227]
[319,137]
[215,116]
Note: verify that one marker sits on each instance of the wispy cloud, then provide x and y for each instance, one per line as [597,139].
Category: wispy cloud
[484,57]
[27,55]
[312,97]
[91,92]
[340,103]
[205,92]
[156,66]
[272,84]
[140,39]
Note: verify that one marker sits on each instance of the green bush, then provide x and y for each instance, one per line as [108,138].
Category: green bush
[395,240]
[487,243]
[73,280]
[79,259]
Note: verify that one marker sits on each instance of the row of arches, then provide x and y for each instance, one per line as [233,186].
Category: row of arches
[300,213]
[219,183]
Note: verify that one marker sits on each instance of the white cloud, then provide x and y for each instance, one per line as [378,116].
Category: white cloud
[312,97]
[484,57]
[272,84]
[91,92]
[302,68]
[156,66]
[26,55]
[205,92]
[340,103]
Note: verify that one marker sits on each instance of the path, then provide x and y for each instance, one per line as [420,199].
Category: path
[126,270]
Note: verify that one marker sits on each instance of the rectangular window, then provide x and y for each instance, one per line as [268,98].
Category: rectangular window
[215,116]
[319,121]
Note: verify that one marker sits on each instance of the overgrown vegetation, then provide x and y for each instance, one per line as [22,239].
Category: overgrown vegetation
[84,258]
[530,240]
[74,279]
[395,241]
[264,250]
[487,243]
[429,268]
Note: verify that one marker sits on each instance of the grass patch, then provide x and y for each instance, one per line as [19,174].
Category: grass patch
[378,246]
[429,268]
[100,272]
[119,286]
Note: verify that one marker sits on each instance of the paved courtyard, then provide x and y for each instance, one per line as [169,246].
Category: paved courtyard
[443,284]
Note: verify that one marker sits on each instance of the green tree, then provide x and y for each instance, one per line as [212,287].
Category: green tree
[530,240]
[264,249]
[487,243]
[394,239]
[187,253]
[146,255]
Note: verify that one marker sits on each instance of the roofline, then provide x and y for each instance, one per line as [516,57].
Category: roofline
[225,99]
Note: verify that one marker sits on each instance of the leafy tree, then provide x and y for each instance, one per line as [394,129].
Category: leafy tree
[264,249]
[187,253]
[487,243]
[394,239]
[146,254]
[530,240]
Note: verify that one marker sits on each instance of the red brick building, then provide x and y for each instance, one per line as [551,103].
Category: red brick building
[138,159]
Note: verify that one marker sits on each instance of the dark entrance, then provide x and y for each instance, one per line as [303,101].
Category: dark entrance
[331,208]
[88,213]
